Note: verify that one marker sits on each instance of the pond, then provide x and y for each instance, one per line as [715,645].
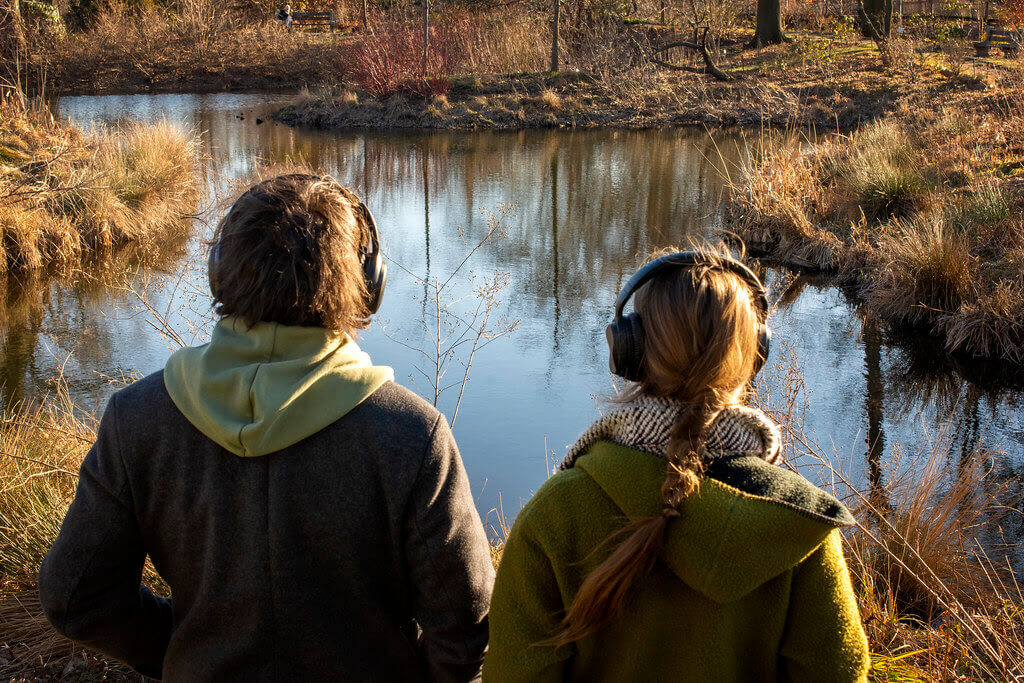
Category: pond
[586,204]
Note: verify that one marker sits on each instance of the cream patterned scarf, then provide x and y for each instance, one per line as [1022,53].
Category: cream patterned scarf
[646,422]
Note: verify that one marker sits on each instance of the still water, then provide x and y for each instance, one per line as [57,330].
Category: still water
[586,204]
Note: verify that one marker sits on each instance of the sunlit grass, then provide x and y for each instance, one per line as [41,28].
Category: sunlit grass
[917,216]
[69,193]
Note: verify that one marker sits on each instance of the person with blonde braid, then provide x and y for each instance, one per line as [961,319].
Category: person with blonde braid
[669,545]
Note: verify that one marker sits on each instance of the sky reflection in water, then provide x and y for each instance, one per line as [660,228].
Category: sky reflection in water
[587,203]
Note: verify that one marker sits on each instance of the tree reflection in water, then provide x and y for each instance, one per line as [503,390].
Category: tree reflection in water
[590,204]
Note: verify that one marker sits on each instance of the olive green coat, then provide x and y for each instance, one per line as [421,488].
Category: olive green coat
[751,586]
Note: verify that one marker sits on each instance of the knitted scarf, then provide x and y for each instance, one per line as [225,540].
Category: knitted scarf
[646,422]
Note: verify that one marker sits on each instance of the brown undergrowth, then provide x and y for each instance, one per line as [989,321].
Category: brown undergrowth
[204,46]
[922,216]
[816,80]
[66,195]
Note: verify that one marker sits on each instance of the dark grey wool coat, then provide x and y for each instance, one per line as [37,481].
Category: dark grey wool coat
[355,555]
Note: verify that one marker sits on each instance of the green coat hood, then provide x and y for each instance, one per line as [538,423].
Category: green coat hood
[749,522]
[258,390]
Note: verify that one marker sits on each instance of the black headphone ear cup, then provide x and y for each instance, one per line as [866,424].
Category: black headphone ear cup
[626,347]
[611,334]
[211,268]
[764,346]
[376,272]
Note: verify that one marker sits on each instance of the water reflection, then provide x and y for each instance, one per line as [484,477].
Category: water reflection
[589,203]
[874,401]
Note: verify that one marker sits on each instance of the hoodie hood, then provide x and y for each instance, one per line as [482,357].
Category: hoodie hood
[258,390]
[749,522]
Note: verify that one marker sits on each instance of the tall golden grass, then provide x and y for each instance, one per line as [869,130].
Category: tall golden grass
[924,220]
[65,194]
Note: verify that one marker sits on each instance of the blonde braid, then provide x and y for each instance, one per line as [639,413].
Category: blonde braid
[686,452]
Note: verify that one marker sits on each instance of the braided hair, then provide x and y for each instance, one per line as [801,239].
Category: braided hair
[700,350]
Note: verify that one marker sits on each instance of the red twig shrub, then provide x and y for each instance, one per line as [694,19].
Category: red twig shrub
[391,60]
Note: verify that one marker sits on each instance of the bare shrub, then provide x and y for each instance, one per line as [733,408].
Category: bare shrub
[392,60]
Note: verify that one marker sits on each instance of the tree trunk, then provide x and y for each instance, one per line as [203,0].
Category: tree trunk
[769,24]
[365,27]
[12,38]
[554,37]
[876,19]
[426,38]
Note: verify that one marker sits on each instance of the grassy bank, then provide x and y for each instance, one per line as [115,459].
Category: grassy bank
[203,49]
[817,80]
[209,46]
[935,605]
[922,217]
[487,65]
[66,195]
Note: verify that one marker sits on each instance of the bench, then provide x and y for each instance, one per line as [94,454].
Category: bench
[313,19]
[1009,41]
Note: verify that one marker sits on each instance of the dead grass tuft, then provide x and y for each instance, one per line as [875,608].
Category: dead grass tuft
[74,193]
[550,99]
[922,219]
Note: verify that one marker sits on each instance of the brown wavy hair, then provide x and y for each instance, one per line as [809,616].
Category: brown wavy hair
[700,349]
[288,251]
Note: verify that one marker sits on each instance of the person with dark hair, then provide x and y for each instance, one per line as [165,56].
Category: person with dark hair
[670,545]
[283,17]
[312,518]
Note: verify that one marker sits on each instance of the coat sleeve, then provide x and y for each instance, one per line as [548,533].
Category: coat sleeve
[449,563]
[90,580]
[824,638]
[526,608]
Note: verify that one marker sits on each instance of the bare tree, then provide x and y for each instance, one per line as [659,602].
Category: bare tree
[876,18]
[426,36]
[554,35]
[458,324]
[701,47]
[769,24]
[701,16]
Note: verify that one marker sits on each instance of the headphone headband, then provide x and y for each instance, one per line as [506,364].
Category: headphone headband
[687,259]
[375,271]
[625,333]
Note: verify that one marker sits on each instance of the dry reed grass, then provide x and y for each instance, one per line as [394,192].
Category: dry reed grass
[41,449]
[932,553]
[932,569]
[923,217]
[65,194]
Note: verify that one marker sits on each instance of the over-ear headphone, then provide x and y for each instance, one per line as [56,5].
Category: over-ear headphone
[625,333]
[375,270]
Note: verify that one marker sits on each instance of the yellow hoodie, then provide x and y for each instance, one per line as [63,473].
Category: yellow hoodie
[257,390]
